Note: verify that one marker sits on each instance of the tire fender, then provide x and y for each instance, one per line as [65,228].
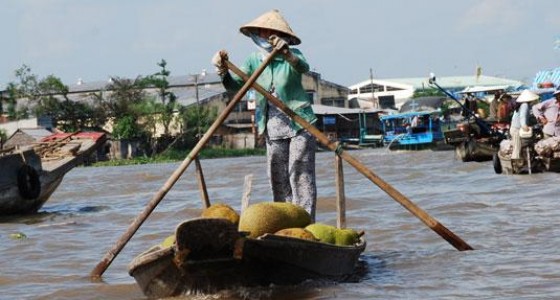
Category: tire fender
[29,184]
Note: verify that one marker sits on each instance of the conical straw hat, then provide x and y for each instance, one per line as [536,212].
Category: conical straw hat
[271,20]
[527,96]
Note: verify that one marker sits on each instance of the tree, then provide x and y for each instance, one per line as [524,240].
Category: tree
[47,97]
[122,106]
[191,116]
[124,94]
[427,92]
[26,87]
[168,99]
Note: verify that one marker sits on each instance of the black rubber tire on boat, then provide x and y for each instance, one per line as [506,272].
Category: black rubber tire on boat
[28,181]
[496,163]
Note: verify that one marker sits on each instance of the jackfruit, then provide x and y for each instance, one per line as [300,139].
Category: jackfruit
[346,237]
[299,233]
[168,242]
[323,232]
[270,217]
[223,211]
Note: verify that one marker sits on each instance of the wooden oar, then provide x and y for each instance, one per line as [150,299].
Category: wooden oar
[116,249]
[436,226]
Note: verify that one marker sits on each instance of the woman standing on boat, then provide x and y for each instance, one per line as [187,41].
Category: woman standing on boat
[520,120]
[290,148]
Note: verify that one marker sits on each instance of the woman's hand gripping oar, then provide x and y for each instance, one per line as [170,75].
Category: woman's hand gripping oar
[116,249]
[436,226]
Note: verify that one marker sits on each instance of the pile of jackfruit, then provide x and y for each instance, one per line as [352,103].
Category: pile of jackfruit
[279,218]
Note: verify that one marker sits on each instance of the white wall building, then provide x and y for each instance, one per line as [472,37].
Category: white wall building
[381,92]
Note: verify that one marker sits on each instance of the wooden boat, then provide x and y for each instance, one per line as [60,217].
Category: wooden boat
[473,143]
[529,162]
[29,176]
[210,255]
[413,131]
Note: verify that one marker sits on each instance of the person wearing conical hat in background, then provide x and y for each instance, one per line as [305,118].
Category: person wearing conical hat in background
[548,114]
[290,148]
[520,120]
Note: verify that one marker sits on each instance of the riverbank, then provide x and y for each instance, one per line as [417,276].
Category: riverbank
[179,155]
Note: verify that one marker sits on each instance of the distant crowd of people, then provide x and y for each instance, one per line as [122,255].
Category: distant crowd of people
[521,113]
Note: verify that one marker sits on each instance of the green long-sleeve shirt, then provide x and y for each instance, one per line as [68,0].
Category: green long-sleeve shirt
[286,80]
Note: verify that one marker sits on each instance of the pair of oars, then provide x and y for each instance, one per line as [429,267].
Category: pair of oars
[449,236]
[436,226]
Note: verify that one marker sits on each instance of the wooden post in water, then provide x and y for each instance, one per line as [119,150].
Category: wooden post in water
[201,183]
[340,196]
[246,192]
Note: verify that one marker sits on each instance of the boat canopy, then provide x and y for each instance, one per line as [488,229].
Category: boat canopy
[408,115]
[484,89]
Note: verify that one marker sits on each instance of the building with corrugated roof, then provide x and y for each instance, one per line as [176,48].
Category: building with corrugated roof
[25,137]
[206,89]
[384,92]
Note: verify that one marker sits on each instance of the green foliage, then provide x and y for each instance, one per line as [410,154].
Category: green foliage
[196,120]
[126,128]
[47,97]
[168,99]
[174,155]
[445,106]
[427,92]
[3,135]
[124,95]
[133,112]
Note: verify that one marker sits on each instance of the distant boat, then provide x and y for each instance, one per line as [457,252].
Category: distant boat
[29,176]
[413,131]
[536,155]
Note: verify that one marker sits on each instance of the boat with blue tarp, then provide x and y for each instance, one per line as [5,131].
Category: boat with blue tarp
[412,130]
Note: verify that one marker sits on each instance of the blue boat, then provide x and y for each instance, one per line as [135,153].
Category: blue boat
[412,131]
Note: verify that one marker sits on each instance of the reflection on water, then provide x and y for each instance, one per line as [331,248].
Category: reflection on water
[509,220]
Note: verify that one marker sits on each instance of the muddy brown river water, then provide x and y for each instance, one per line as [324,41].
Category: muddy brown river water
[511,221]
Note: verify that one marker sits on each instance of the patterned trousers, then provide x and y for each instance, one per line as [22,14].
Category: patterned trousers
[291,170]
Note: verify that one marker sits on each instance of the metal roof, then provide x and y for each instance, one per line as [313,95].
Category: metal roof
[35,133]
[449,82]
[408,114]
[174,81]
[331,110]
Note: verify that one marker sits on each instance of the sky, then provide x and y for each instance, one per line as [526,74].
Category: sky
[93,40]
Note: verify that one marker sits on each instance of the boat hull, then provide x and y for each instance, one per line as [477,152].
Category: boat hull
[12,202]
[473,150]
[527,164]
[28,179]
[269,259]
